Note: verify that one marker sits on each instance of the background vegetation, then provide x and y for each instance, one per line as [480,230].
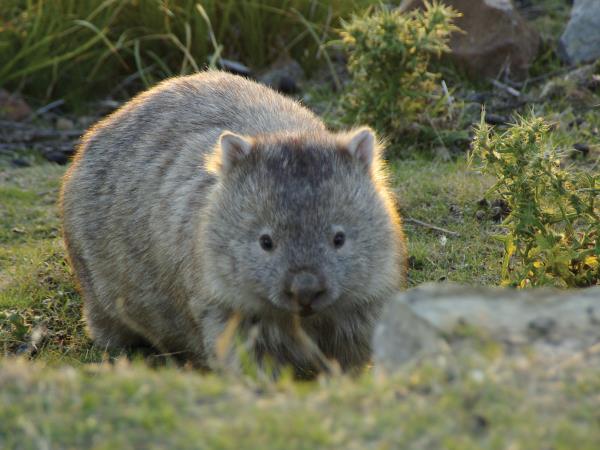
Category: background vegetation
[75,48]
[394,86]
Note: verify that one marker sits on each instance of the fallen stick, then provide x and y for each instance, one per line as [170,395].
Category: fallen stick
[40,134]
[505,87]
[431,227]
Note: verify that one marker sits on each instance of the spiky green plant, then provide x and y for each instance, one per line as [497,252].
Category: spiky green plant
[390,54]
[554,223]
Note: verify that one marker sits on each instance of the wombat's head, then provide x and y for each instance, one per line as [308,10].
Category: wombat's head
[300,223]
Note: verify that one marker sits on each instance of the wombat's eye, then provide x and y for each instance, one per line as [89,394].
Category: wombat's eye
[266,242]
[339,239]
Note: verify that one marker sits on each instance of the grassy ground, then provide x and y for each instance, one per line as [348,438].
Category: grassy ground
[37,291]
[74,395]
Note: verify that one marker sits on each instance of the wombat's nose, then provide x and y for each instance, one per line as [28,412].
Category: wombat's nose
[304,288]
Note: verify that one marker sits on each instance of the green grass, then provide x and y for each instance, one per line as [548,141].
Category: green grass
[76,49]
[37,290]
[37,293]
[446,194]
[74,395]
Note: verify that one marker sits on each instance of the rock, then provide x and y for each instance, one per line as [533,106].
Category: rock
[581,40]
[284,75]
[85,121]
[555,323]
[495,37]
[13,107]
[57,157]
[582,149]
[495,119]
[500,209]
[401,336]
[234,67]
[20,162]
[507,312]
[62,123]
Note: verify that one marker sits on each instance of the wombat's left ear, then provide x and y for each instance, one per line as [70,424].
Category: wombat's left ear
[234,148]
[361,145]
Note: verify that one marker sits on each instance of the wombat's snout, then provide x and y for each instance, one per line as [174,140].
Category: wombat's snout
[305,288]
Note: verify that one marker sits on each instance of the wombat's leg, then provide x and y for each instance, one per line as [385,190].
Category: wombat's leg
[107,331]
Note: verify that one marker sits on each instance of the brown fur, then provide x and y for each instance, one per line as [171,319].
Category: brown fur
[162,224]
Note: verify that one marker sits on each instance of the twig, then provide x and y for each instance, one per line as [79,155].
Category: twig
[505,87]
[12,124]
[40,134]
[431,227]
[45,109]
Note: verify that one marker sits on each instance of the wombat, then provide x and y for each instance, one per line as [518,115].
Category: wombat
[210,197]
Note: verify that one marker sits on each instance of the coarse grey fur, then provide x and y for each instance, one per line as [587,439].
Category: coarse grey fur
[166,202]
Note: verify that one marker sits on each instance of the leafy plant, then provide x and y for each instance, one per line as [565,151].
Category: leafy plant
[554,223]
[394,87]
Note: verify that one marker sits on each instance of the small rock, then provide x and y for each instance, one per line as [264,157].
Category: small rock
[20,162]
[541,326]
[455,211]
[480,215]
[85,121]
[284,75]
[483,203]
[62,123]
[582,149]
[500,209]
[579,42]
[287,85]
[235,67]
[57,157]
[13,107]
[495,119]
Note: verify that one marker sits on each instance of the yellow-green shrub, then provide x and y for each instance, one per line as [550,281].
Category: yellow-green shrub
[554,223]
[393,86]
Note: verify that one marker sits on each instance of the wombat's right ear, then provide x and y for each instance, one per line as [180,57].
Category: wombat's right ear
[233,148]
[362,145]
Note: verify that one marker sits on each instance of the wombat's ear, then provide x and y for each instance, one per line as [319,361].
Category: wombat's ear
[361,145]
[234,148]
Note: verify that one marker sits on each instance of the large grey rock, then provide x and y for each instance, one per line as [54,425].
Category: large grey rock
[581,40]
[402,336]
[495,37]
[506,312]
[553,322]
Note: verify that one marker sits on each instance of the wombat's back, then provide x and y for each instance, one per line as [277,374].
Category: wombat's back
[129,198]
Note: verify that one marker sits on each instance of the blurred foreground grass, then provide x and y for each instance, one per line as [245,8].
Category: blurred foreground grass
[467,403]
